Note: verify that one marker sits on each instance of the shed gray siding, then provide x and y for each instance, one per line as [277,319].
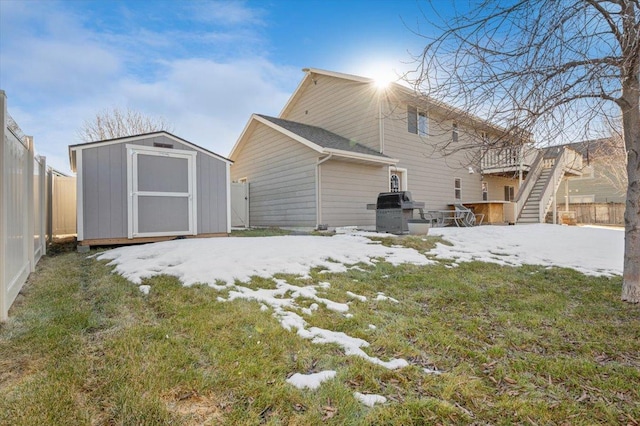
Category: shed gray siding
[212,194]
[104,192]
[104,189]
[281,176]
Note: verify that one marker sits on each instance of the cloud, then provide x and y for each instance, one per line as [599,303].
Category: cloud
[230,13]
[211,102]
[202,68]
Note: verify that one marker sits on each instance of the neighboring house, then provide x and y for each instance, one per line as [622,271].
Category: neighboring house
[341,139]
[149,187]
[598,195]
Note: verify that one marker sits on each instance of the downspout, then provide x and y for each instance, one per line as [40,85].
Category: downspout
[318,188]
[381,124]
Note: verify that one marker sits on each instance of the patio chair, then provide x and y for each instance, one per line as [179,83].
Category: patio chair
[466,217]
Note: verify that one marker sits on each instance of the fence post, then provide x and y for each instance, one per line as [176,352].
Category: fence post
[43,206]
[3,208]
[30,205]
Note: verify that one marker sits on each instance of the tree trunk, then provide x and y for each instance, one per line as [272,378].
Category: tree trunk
[631,126]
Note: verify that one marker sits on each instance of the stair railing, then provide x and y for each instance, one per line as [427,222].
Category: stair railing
[527,185]
[550,187]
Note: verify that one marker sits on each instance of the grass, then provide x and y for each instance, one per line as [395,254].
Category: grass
[524,345]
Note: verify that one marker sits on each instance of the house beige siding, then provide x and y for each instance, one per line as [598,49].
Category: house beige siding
[346,189]
[347,108]
[281,176]
[430,174]
[496,184]
[352,109]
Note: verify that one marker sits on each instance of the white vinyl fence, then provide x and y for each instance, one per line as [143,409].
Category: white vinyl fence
[22,208]
[61,205]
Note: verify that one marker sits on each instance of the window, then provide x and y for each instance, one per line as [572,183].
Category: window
[509,193]
[485,191]
[581,199]
[394,183]
[412,119]
[484,137]
[457,188]
[423,124]
[417,121]
[454,132]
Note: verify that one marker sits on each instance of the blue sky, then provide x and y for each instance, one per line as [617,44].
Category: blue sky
[205,66]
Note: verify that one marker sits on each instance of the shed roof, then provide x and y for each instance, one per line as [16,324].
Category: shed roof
[81,146]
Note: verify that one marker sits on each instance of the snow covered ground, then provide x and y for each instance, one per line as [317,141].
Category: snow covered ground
[227,263]
[590,250]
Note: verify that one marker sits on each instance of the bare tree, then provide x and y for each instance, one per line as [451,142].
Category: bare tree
[558,68]
[612,156]
[117,123]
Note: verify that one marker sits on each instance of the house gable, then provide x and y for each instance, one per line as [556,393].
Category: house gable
[281,175]
[313,137]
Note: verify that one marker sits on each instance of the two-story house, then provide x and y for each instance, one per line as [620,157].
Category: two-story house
[342,139]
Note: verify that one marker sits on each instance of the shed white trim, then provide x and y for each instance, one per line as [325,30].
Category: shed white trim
[133,212]
[73,149]
[79,199]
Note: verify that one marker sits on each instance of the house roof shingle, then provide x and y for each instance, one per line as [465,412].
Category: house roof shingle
[322,137]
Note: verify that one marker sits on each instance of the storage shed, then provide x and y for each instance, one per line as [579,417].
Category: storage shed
[149,187]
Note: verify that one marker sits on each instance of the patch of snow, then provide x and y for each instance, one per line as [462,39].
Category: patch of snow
[430,371]
[592,251]
[372,327]
[357,296]
[310,381]
[382,296]
[370,399]
[145,289]
[227,260]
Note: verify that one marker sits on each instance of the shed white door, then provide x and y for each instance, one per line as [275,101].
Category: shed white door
[240,204]
[162,192]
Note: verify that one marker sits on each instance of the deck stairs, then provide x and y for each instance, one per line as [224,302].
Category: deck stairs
[531,211]
[537,193]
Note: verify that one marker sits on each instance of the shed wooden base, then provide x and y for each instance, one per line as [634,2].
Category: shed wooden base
[127,241]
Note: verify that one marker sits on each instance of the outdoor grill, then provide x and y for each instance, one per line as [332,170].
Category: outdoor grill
[393,211]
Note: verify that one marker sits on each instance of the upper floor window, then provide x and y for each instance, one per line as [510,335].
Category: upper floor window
[484,137]
[423,123]
[417,121]
[454,132]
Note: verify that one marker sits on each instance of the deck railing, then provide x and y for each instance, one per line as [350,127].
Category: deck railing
[528,183]
[557,172]
[508,158]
